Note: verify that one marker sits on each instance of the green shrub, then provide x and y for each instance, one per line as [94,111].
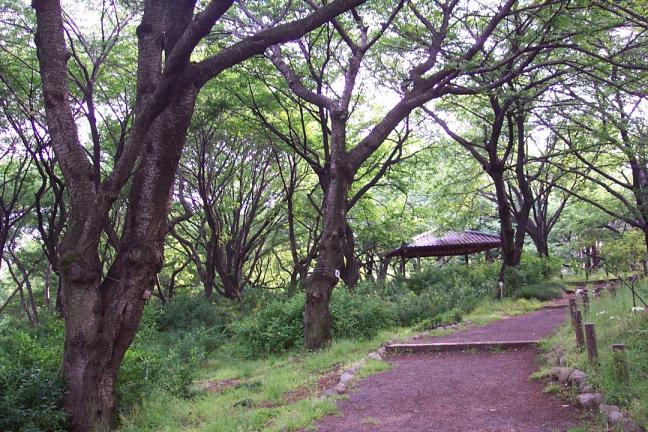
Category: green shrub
[355,316]
[542,291]
[31,387]
[411,308]
[272,328]
[171,343]
[278,326]
[452,316]
[185,312]
[532,270]
[536,269]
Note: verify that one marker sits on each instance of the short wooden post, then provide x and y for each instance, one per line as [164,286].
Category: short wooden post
[590,338]
[585,295]
[572,308]
[620,363]
[578,329]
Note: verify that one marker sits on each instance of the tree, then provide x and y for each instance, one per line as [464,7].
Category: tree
[429,79]
[501,111]
[598,118]
[103,309]
[225,183]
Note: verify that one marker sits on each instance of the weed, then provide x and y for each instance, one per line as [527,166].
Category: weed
[552,388]
[371,421]
[540,374]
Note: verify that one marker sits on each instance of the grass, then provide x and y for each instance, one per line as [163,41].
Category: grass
[598,275]
[280,393]
[274,394]
[547,290]
[614,323]
[552,388]
[492,310]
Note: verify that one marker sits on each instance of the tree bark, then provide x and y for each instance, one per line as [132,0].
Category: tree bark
[350,271]
[102,316]
[320,284]
[510,256]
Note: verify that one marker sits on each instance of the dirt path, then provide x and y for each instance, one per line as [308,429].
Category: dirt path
[533,326]
[454,391]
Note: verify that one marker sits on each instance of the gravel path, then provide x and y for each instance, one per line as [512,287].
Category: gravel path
[454,391]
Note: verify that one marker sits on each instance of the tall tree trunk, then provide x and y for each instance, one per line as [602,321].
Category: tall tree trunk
[510,256]
[382,270]
[541,244]
[102,317]
[320,284]
[48,283]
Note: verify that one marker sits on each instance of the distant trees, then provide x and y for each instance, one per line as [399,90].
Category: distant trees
[227,186]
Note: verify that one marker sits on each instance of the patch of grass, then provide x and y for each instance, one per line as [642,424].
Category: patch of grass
[552,388]
[492,310]
[371,421]
[545,291]
[614,323]
[372,367]
[540,374]
[266,387]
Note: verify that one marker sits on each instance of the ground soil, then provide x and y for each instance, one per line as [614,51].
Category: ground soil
[461,391]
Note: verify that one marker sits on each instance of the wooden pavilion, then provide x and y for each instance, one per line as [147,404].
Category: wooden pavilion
[451,244]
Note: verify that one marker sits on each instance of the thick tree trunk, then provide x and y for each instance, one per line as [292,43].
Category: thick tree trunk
[320,284]
[541,244]
[208,286]
[102,317]
[538,231]
[382,271]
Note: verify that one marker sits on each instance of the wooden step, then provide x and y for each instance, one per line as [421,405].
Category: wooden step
[459,346]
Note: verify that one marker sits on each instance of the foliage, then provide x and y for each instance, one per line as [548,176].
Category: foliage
[428,298]
[31,386]
[275,328]
[172,342]
[548,290]
[359,317]
[624,253]
[185,312]
[532,270]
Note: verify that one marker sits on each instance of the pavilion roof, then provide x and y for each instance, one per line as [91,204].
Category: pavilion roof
[452,243]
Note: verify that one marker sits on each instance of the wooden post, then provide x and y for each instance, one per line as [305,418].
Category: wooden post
[572,308]
[590,338]
[578,329]
[620,363]
[585,295]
